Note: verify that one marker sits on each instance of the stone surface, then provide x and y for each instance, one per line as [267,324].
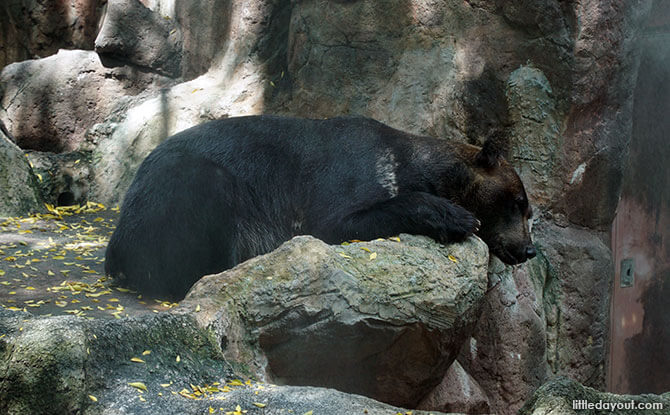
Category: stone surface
[576,285]
[71,365]
[48,104]
[458,392]
[134,34]
[560,395]
[507,353]
[18,183]
[38,28]
[386,326]
[557,76]
[63,179]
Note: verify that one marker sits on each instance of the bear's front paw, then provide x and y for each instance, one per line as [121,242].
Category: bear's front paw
[455,225]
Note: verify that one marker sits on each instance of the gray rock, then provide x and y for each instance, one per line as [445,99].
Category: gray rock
[48,104]
[535,136]
[576,283]
[563,396]
[68,364]
[134,34]
[63,179]
[18,183]
[38,28]
[507,353]
[386,326]
[458,392]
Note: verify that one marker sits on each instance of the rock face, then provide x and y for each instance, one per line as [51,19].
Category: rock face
[70,365]
[38,28]
[382,319]
[18,183]
[48,104]
[557,76]
[563,396]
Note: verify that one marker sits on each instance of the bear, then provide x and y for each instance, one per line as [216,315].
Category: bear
[222,192]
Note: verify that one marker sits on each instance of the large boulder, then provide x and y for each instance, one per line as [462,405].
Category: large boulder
[160,364]
[48,104]
[564,396]
[383,319]
[18,184]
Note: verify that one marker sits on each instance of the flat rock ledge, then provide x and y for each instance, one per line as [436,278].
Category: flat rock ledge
[384,319]
[563,396]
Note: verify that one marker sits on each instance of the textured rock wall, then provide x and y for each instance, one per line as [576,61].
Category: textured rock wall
[557,75]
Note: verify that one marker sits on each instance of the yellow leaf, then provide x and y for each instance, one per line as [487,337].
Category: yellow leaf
[452,259]
[373,256]
[343,255]
[178,359]
[39,176]
[138,385]
[93,398]
[260,405]
[123,290]
[309,413]
[136,360]
[211,410]
[395,238]
[365,249]
[236,382]
[50,273]
[98,219]
[30,288]
[2,273]
[146,352]
[59,257]
[197,308]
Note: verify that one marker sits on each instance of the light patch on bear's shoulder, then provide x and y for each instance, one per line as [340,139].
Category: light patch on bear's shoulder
[385,168]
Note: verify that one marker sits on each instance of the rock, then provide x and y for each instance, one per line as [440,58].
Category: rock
[381,319]
[563,396]
[38,28]
[507,353]
[535,135]
[576,308]
[72,365]
[18,183]
[458,392]
[48,104]
[64,179]
[134,34]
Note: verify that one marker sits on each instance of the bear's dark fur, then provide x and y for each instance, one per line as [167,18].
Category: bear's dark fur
[219,193]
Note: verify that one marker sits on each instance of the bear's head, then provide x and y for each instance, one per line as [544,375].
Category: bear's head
[498,199]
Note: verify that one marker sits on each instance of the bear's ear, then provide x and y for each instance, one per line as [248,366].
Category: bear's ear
[492,151]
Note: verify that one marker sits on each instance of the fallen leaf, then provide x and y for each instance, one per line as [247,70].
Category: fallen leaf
[138,385]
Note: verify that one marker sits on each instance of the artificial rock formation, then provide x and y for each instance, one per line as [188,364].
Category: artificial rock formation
[557,76]
[383,319]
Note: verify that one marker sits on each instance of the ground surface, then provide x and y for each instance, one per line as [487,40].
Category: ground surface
[53,264]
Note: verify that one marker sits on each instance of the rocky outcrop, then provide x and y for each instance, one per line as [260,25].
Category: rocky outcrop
[49,104]
[33,29]
[18,183]
[383,319]
[154,364]
[563,396]
[557,76]
[458,392]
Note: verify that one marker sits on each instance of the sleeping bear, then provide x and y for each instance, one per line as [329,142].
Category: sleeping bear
[225,191]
